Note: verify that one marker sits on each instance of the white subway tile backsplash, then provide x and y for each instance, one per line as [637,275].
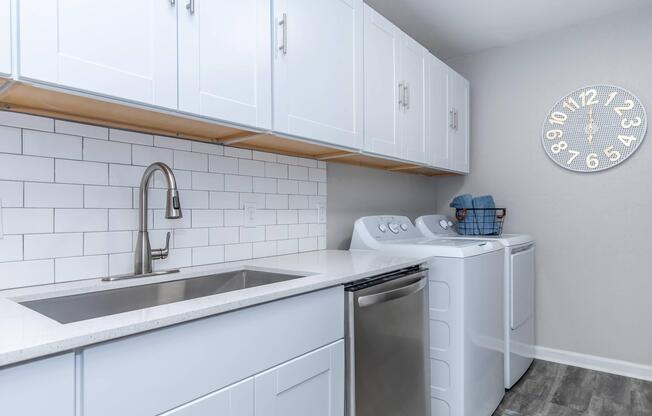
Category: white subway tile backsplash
[26,273]
[79,129]
[26,121]
[70,193]
[321,165]
[131,137]
[78,268]
[10,140]
[11,248]
[108,242]
[74,171]
[11,194]
[80,220]
[27,220]
[49,246]
[107,197]
[190,161]
[207,181]
[26,168]
[105,151]
[40,143]
[146,155]
[322,243]
[54,195]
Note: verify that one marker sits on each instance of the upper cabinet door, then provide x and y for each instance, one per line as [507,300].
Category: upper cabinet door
[225,61]
[413,69]
[309,385]
[318,74]
[121,48]
[383,88]
[438,113]
[5,37]
[459,130]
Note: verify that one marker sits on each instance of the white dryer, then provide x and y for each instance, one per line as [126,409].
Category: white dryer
[519,281]
[465,308]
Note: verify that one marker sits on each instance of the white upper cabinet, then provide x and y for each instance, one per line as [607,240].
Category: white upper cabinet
[225,60]
[382,86]
[318,74]
[458,98]
[120,48]
[5,37]
[414,65]
[438,120]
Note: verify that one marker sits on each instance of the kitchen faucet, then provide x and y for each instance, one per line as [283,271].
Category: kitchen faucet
[144,254]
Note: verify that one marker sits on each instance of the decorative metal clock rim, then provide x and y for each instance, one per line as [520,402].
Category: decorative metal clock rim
[564,97]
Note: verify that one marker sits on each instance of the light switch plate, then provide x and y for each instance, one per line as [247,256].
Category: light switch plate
[321,213]
[249,214]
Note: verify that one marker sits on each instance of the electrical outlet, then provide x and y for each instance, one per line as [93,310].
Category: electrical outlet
[249,214]
[321,213]
[1,224]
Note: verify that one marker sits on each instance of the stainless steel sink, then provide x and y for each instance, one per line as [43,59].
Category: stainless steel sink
[74,308]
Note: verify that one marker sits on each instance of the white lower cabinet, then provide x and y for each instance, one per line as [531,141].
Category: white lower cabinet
[38,388]
[235,400]
[309,385]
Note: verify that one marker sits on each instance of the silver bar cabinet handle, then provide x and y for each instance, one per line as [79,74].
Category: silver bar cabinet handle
[191,6]
[451,119]
[173,2]
[401,93]
[457,124]
[284,45]
[407,96]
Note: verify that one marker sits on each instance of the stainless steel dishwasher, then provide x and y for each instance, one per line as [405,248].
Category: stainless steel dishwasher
[387,345]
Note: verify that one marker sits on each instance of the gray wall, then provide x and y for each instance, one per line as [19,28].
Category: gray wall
[354,192]
[594,231]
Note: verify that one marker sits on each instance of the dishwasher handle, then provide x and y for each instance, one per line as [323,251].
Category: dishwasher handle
[369,300]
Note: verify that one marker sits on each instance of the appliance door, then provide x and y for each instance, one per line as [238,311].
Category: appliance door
[387,338]
[521,285]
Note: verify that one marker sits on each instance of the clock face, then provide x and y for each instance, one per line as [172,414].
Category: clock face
[594,128]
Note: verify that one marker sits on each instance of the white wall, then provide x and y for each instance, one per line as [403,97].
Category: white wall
[594,259]
[356,191]
[70,198]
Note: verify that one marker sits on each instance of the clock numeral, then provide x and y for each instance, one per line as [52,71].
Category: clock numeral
[571,104]
[592,161]
[554,134]
[558,147]
[626,140]
[612,154]
[588,97]
[575,153]
[558,118]
[628,124]
[629,104]
[611,98]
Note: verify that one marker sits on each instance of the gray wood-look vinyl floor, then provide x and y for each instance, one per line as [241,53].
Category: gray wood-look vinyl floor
[550,389]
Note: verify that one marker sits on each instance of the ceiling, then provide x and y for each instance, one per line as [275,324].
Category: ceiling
[451,28]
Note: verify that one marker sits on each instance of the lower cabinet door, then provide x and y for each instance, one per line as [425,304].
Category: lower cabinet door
[235,400]
[309,385]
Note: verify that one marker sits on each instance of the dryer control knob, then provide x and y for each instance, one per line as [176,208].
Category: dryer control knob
[382,228]
[404,227]
[393,227]
[443,224]
[450,223]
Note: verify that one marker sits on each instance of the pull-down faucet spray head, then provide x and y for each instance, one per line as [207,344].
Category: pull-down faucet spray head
[173,205]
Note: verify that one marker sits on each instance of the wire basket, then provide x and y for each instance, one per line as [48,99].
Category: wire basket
[480,221]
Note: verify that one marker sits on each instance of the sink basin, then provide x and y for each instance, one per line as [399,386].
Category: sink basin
[74,308]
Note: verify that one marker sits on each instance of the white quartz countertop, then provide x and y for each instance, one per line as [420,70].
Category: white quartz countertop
[26,334]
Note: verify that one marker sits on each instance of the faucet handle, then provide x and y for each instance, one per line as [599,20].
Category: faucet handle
[162,253]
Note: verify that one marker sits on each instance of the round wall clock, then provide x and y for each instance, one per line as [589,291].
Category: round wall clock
[594,128]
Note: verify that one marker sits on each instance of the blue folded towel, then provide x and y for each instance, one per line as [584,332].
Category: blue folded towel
[486,220]
[467,225]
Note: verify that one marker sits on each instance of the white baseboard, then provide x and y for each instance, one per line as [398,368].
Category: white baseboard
[593,362]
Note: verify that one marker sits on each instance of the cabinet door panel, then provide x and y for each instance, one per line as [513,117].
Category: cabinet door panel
[438,113]
[413,70]
[459,138]
[225,61]
[43,387]
[318,87]
[236,400]
[309,385]
[5,37]
[121,48]
[382,44]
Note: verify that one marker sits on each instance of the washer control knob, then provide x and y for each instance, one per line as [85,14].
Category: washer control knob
[382,228]
[404,227]
[443,224]
[393,227]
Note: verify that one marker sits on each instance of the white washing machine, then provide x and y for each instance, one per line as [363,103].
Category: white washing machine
[466,312]
[519,280]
